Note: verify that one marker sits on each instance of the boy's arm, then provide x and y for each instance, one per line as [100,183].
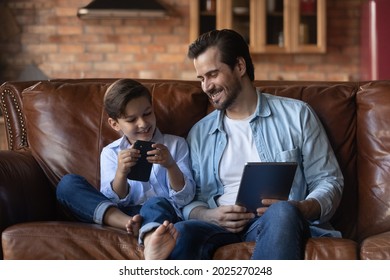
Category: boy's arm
[161,155]
[176,177]
[120,185]
[109,180]
[178,167]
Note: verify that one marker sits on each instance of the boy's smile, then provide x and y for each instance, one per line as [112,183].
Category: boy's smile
[139,122]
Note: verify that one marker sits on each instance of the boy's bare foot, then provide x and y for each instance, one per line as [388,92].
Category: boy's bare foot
[160,243]
[134,224]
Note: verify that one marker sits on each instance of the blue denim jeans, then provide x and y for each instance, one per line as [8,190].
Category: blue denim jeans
[84,203]
[281,233]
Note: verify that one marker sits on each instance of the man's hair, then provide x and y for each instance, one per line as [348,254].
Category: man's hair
[230,44]
[120,93]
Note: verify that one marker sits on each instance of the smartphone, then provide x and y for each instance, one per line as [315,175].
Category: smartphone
[141,171]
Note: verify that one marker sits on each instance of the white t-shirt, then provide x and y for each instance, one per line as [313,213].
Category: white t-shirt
[239,150]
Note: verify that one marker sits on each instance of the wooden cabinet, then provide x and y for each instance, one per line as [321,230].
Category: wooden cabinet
[269,26]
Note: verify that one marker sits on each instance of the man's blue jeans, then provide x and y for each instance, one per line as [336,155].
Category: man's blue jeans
[86,204]
[281,233]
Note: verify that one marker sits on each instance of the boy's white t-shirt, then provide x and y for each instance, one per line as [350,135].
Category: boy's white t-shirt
[240,149]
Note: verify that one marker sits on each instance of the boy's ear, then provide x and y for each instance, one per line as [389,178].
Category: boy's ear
[114,124]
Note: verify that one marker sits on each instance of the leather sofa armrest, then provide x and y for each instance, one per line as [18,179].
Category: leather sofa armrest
[25,192]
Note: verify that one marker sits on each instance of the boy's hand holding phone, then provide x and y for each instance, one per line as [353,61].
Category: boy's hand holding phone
[143,154]
[160,155]
[140,166]
[127,159]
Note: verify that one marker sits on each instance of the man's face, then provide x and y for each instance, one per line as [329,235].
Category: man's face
[219,82]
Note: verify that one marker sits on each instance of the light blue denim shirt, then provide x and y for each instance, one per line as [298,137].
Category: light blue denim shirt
[284,130]
[158,185]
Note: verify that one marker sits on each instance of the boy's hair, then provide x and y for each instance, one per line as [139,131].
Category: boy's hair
[230,44]
[120,93]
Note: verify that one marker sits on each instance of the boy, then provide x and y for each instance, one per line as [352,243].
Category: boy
[125,203]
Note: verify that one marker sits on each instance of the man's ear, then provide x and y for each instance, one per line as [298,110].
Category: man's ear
[241,65]
[114,124]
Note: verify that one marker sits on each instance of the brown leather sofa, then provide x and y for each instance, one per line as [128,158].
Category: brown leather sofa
[59,126]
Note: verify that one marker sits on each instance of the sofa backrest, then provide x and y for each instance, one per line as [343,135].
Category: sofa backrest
[373,141]
[63,124]
[67,127]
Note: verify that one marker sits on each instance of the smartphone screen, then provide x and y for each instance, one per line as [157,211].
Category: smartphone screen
[141,171]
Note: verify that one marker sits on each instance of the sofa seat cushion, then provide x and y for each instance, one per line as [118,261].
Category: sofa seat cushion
[322,248]
[376,247]
[329,248]
[235,251]
[68,240]
[79,241]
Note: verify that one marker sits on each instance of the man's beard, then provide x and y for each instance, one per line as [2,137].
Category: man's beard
[230,98]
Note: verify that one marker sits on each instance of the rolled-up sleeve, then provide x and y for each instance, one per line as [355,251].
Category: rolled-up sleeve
[185,195]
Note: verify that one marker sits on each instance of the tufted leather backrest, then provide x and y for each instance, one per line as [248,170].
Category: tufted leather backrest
[373,168]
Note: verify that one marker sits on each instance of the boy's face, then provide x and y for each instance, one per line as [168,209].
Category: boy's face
[139,122]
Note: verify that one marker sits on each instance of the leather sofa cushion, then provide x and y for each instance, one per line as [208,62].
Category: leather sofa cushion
[68,240]
[322,248]
[376,247]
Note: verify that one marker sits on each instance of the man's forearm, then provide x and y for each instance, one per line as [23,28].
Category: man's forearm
[198,213]
[310,208]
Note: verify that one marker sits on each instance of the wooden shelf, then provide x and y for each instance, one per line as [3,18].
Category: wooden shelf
[262,28]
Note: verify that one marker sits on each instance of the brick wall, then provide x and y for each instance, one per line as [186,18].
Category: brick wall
[48,34]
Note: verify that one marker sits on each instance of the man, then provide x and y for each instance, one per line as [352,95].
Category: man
[249,125]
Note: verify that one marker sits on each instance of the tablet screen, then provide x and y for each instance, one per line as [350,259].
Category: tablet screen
[265,180]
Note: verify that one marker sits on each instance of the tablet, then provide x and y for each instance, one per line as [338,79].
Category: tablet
[265,180]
